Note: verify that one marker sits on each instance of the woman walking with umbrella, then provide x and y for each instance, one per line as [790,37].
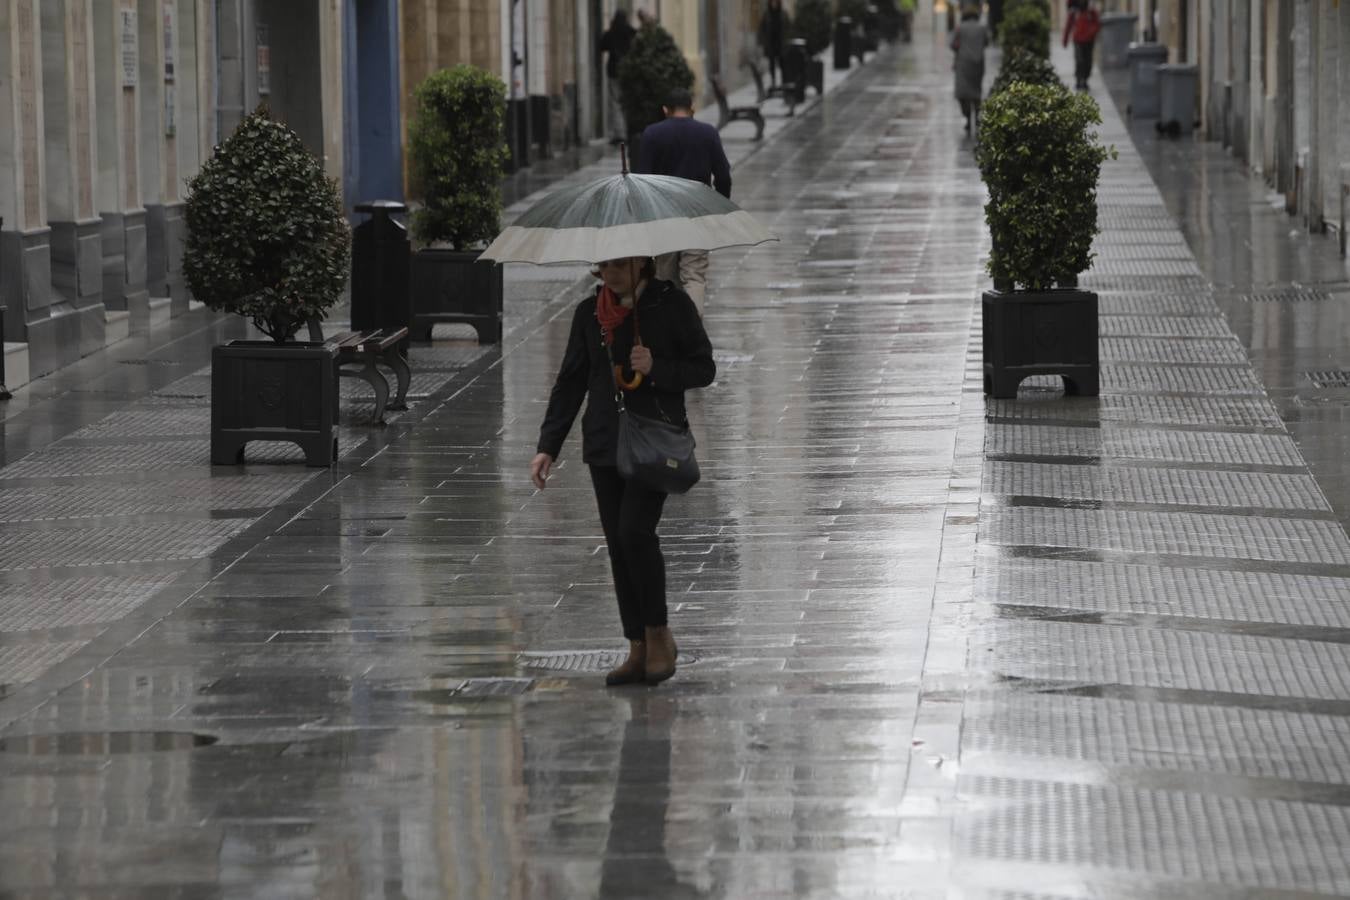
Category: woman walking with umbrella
[634,348]
[645,339]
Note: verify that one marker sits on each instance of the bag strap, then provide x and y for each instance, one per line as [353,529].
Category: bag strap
[614,379]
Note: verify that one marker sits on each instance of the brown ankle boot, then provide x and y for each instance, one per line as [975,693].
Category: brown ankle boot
[661,654]
[631,670]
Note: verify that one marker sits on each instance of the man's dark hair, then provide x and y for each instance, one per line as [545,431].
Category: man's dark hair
[679,99]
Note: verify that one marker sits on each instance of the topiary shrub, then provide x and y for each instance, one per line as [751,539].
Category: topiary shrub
[1028,68]
[266,235]
[813,24]
[1042,5]
[1040,163]
[457,156]
[652,68]
[1026,27]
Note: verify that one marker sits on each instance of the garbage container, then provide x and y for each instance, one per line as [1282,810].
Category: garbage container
[380,257]
[1144,62]
[794,71]
[843,42]
[1176,98]
[1117,29]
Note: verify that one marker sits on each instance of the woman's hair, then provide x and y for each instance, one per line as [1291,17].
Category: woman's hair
[648,270]
[620,19]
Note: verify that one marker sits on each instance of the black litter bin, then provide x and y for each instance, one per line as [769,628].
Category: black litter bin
[843,42]
[380,258]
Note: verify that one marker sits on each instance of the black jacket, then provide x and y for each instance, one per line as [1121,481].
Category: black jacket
[681,359]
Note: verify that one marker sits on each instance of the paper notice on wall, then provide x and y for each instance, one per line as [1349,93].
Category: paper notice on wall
[170,40]
[130,57]
[264,61]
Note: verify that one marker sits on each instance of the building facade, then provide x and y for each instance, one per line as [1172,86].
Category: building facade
[109,107]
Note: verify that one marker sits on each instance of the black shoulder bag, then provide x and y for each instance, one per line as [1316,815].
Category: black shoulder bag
[654,452]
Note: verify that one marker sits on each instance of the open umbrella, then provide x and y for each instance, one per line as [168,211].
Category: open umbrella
[626,215]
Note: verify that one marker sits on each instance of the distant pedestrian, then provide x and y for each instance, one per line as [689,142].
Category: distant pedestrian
[616,43]
[685,147]
[643,336]
[969,40]
[1082,25]
[773,28]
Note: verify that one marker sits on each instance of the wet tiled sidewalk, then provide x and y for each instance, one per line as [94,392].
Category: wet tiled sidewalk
[933,645]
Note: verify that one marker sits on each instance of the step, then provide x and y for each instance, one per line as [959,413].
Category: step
[16,365]
[117,326]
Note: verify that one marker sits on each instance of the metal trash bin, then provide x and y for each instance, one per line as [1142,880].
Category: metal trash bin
[843,42]
[1117,29]
[1176,98]
[1144,62]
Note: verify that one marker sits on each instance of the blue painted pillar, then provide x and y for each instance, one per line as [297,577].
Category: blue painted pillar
[374,155]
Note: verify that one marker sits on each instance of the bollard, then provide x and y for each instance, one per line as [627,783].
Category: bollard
[843,42]
[4,391]
[794,71]
[1345,195]
[380,260]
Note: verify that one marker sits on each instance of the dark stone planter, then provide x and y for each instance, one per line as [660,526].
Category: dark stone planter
[451,286]
[264,391]
[1040,333]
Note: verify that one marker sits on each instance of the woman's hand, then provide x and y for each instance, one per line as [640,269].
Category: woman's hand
[640,360]
[539,469]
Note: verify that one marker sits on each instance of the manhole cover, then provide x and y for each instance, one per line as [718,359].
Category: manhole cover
[1329,378]
[103,743]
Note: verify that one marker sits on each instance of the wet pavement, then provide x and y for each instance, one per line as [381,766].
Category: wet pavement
[934,645]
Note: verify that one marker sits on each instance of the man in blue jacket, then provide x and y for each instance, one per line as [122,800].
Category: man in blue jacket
[687,148]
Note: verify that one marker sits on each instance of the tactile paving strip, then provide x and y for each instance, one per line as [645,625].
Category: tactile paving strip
[1217,380]
[87,500]
[1145,444]
[421,386]
[1164,658]
[22,548]
[1149,267]
[162,421]
[1213,351]
[1134,304]
[64,461]
[1253,743]
[1184,534]
[573,661]
[73,601]
[1236,841]
[444,356]
[22,663]
[1239,412]
[1137,484]
[1163,326]
[1194,593]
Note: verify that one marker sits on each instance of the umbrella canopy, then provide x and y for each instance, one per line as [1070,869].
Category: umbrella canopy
[626,215]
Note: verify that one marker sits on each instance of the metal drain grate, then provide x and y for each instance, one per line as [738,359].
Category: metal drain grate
[150,362]
[572,661]
[494,687]
[1329,378]
[1290,296]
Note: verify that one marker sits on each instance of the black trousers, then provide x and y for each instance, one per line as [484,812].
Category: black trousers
[629,514]
[774,65]
[1082,59]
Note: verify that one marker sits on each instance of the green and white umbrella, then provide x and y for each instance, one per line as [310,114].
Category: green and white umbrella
[626,215]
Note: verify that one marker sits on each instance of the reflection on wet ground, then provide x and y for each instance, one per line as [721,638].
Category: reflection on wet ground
[1055,647]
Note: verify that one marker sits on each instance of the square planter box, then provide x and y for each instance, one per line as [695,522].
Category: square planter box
[1040,333]
[264,391]
[451,286]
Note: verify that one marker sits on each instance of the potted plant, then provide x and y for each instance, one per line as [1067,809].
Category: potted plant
[652,68]
[1040,161]
[1021,65]
[457,154]
[266,239]
[1026,26]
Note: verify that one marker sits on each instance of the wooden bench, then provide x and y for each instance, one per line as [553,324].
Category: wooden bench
[729,113]
[369,350]
[790,93]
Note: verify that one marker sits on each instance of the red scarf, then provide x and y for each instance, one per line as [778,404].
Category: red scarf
[610,312]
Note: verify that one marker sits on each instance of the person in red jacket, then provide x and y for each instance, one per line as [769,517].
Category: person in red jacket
[1082,25]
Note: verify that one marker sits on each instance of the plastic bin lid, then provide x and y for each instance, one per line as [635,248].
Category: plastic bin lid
[1180,68]
[1141,49]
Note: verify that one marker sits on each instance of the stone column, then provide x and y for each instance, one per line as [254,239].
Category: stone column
[117,190]
[72,163]
[158,20]
[25,244]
